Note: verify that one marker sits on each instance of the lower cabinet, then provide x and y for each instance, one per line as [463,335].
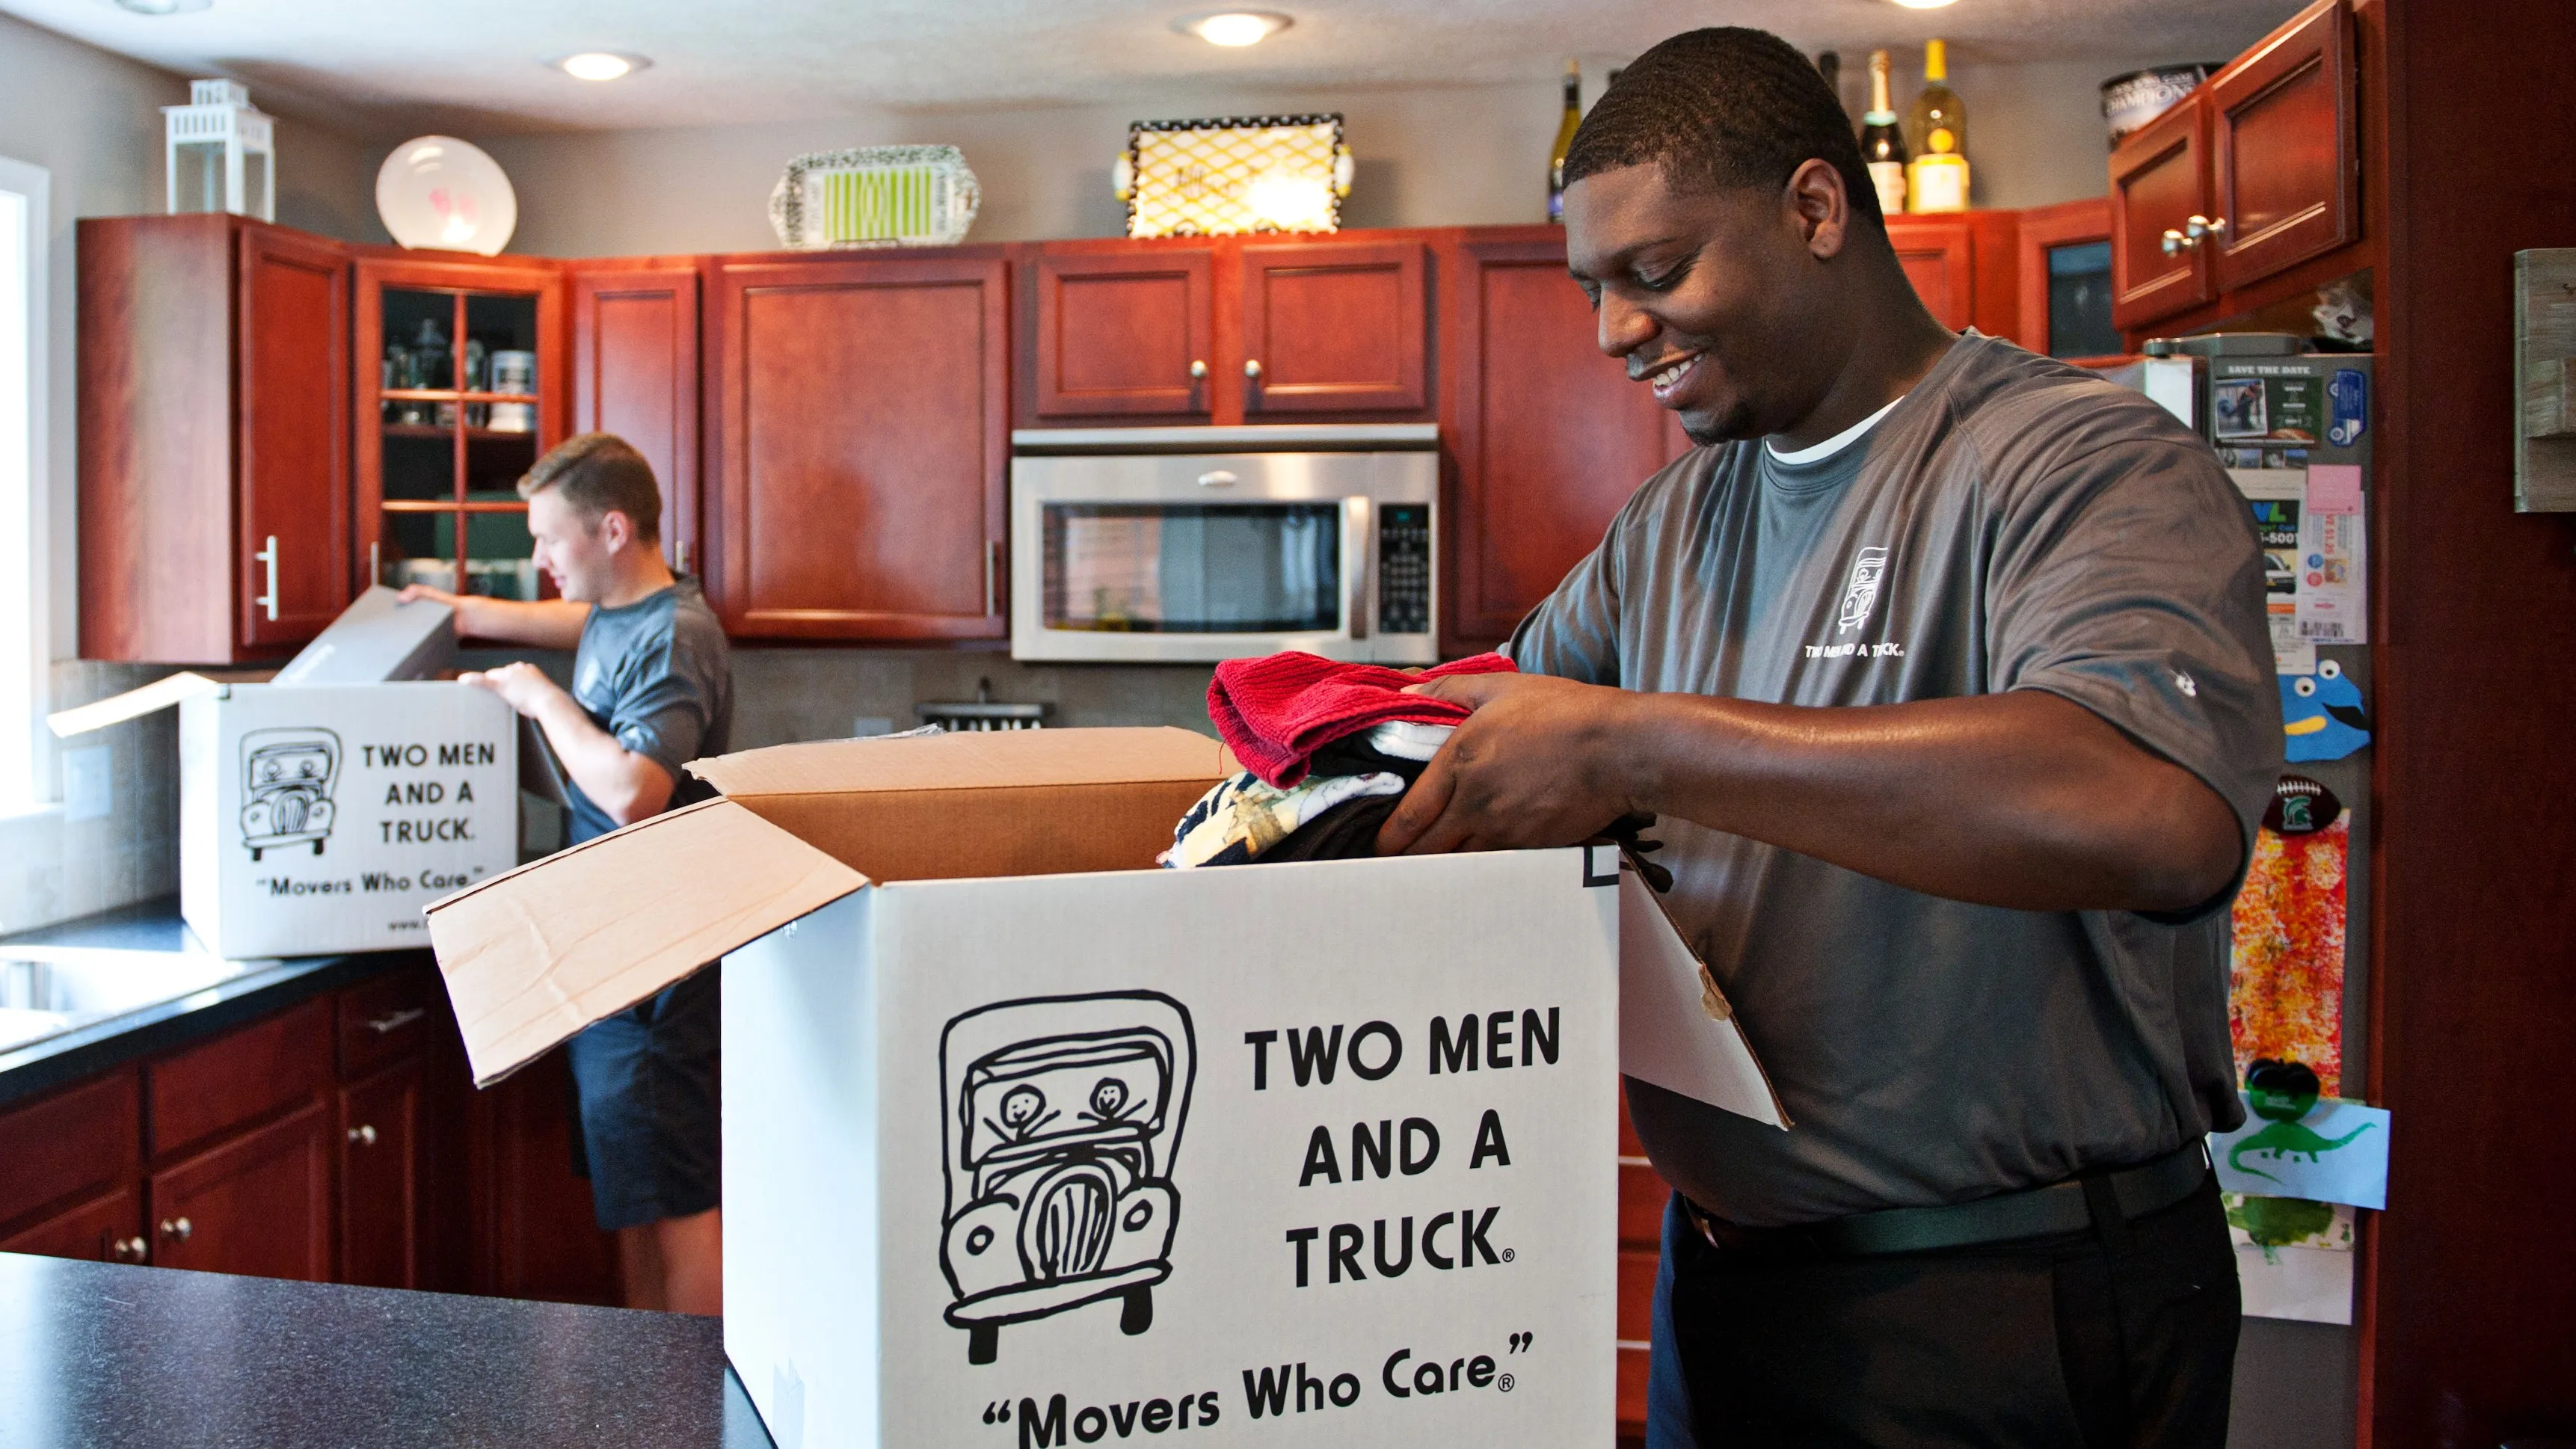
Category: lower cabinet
[107,1228]
[381,1180]
[256,1203]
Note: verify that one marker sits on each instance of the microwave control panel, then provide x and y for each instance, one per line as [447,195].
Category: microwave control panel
[1404,568]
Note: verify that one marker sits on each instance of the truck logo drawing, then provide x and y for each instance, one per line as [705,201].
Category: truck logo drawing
[287,776]
[1061,1116]
[1868,567]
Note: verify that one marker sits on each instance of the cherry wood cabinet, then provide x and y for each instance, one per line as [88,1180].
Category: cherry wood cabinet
[1547,436]
[860,446]
[257,1202]
[635,374]
[532,1233]
[1125,333]
[378,1138]
[1334,327]
[108,1228]
[2248,177]
[1939,257]
[214,438]
[1642,1196]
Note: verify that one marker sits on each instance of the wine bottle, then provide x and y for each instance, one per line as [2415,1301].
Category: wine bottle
[1936,132]
[1829,64]
[1564,141]
[1882,146]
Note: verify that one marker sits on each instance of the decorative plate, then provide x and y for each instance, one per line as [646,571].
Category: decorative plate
[1238,174]
[437,191]
[875,196]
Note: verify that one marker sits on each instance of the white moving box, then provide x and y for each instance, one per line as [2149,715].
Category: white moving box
[320,818]
[1029,1143]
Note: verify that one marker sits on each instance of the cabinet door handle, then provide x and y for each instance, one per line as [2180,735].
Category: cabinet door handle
[129,1250]
[396,1021]
[680,554]
[1355,547]
[992,578]
[1252,368]
[2200,226]
[268,556]
[1198,367]
[375,563]
[363,1134]
[2175,243]
[179,1228]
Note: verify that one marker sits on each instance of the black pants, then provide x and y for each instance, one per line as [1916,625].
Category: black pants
[2057,1341]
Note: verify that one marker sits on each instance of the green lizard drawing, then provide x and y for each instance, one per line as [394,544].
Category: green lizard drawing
[2281,1093]
[2288,1139]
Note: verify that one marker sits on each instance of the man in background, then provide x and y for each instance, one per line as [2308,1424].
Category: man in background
[652,690]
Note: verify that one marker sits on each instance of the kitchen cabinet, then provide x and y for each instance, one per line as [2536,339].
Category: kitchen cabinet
[108,1228]
[379,1144]
[533,1232]
[635,374]
[214,438]
[1547,436]
[1125,333]
[1642,1196]
[1938,254]
[458,386]
[257,1202]
[860,446]
[2249,176]
[1334,327]
[2064,278]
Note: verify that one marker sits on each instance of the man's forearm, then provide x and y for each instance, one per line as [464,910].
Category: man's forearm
[541,624]
[2021,799]
[626,785]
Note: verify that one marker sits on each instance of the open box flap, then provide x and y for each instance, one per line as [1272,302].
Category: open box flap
[969,760]
[535,955]
[160,694]
[1676,1029]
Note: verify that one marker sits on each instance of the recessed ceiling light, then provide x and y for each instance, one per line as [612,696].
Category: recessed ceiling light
[600,65]
[1234,27]
[1923,4]
[163,7]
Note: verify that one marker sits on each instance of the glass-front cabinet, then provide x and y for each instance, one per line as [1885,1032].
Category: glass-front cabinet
[460,368]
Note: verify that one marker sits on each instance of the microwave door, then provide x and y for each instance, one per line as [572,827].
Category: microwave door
[1189,579]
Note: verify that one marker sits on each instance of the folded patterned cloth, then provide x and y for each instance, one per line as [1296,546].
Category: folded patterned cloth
[1242,817]
[1276,711]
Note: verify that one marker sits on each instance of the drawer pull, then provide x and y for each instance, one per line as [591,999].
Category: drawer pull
[179,1228]
[363,1134]
[130,1250]
[396,1021]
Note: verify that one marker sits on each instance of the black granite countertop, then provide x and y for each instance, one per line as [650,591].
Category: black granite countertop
[143,932]
[101,1356]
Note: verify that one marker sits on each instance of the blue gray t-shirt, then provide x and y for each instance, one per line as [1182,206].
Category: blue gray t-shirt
[2013,523]
[657,675]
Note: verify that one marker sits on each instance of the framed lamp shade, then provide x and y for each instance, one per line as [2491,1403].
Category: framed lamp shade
[1236,175]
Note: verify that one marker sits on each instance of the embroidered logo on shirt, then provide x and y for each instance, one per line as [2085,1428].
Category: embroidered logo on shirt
[2188,685]
[1868,566]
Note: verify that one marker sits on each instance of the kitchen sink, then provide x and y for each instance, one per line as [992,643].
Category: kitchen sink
[41,998]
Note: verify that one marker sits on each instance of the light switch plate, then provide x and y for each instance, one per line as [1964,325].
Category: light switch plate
[89,782]
[2544,336]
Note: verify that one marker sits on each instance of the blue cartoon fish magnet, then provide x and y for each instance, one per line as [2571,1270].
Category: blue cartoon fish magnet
[2322,714]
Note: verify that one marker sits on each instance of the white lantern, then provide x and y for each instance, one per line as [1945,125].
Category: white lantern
[219,154]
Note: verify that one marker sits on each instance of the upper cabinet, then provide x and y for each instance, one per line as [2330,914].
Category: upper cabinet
[1125,333]
[460,387]
[859,424]
[1229,330]
[214,438]
[635,374]
[1334,327]
[2250,175]
[1547,435]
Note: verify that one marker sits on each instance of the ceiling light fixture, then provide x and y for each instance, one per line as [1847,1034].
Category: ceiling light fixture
[1923,4]
[163,7]
[600,65]
[1234,27]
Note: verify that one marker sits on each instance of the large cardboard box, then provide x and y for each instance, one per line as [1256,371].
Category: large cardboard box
[322,817]
[1029,1143]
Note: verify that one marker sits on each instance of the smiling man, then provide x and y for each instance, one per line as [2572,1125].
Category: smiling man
[1945,666]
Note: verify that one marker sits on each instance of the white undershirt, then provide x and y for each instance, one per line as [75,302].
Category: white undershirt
[1835,444]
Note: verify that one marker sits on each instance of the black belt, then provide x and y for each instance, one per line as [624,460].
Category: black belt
[2102,1202]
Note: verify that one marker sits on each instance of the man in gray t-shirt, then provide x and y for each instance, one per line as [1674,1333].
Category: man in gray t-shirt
[652,690]
[1945,667]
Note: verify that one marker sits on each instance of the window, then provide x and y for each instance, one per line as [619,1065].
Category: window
[23,475]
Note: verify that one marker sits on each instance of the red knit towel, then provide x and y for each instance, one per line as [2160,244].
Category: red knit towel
[1275,711]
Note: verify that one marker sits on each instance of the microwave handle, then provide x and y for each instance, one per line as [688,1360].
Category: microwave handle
[1357,551]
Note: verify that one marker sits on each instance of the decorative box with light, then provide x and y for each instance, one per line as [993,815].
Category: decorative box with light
[219,155]
[1240,174]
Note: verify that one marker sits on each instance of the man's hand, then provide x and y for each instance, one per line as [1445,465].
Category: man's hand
[413,593]
[1539,763]
[521,685]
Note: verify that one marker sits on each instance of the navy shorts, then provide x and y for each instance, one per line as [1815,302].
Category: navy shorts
[645,1082]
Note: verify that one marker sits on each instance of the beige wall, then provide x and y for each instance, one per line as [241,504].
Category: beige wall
[1470,155]
[92,120]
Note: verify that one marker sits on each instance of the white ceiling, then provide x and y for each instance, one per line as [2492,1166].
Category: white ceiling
[397,66]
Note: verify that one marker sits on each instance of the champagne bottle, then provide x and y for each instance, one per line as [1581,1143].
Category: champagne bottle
[1936,132]
[1882,146]
[1564,141]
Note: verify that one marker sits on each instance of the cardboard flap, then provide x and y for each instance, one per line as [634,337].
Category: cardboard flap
[133,704]
[970,760]
[377,639]
[535,955]
[1676,1029]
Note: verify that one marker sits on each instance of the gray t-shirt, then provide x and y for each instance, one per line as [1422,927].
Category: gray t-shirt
[657,675]
[2013,523]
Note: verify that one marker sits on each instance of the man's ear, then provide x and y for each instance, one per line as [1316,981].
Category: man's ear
[1816,196]
[616,530]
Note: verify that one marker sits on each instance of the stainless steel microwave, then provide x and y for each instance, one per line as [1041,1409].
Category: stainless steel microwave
[1181,545]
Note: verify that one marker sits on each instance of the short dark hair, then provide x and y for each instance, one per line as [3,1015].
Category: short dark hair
[598,472]
[1722,107]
